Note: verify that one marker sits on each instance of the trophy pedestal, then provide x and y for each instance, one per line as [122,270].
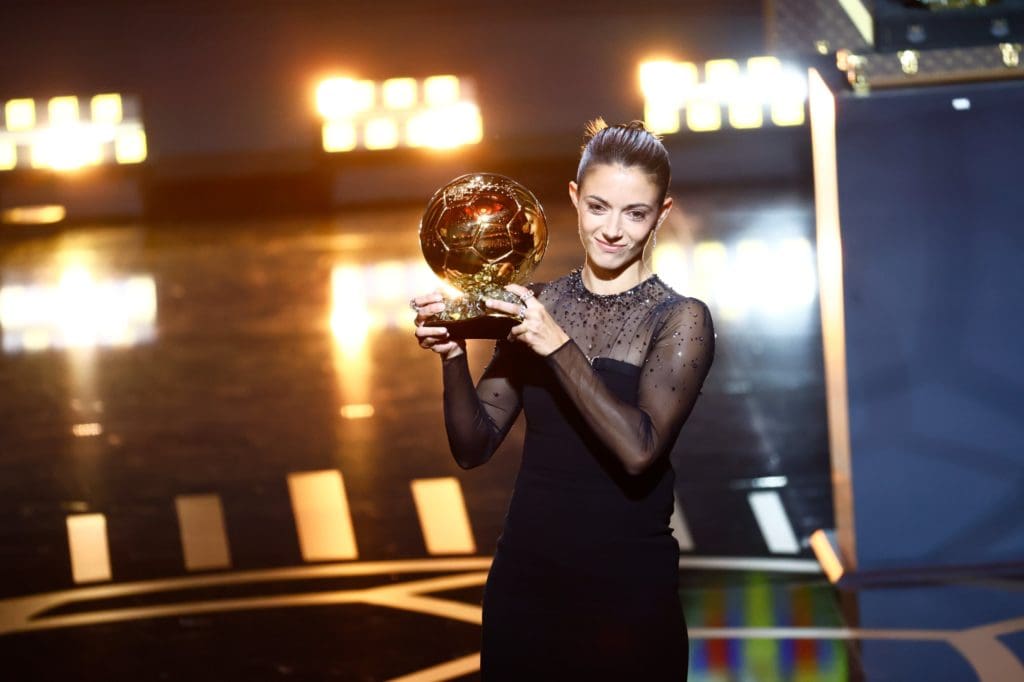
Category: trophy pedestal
[493,326]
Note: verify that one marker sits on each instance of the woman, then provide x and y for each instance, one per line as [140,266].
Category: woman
[607,364]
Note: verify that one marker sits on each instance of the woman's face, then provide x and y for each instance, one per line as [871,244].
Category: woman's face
[618,207]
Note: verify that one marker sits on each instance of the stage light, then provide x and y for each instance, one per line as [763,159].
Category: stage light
[63,111]
[20,114]
[721,78]
[106,109]
[661,118]
[339,136]
[446,128]
[380,133]
[67,148]
[667,82]
[446,117]
[399,93]
[66,141]
[439,91]
[343,97]
[788,99]
[672,89]
[746,109]
[703,111]
[130,146]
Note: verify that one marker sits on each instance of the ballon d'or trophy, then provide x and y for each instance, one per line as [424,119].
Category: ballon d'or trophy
[480,232]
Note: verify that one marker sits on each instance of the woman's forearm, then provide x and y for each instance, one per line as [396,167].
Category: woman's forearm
[627,431]
[472,434]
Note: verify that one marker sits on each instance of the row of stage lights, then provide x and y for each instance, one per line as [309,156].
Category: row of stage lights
[64,135]
[763,91]
[438,112]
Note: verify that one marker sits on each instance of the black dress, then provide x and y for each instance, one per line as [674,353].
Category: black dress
[584,583]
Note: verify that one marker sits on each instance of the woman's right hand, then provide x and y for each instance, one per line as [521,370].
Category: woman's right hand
[434,338]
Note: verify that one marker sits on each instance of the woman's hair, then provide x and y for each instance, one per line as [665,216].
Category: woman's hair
[627,144]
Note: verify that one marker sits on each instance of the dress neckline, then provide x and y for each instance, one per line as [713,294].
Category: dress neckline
[642,287]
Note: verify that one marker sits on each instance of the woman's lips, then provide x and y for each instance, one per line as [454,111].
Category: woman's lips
[609,248]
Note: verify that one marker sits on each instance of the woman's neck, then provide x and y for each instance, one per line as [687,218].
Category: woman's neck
[605,282]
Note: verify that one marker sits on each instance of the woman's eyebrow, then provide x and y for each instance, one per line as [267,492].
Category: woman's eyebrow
[639,204]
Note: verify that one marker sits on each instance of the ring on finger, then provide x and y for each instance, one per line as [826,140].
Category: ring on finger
[526,297]
[522,311]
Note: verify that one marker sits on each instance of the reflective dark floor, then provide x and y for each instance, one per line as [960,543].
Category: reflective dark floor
[222,458]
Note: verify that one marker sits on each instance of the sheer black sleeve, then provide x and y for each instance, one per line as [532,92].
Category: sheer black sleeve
[478,419]
[676,362]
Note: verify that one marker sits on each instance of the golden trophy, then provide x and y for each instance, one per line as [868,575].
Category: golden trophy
[480,232]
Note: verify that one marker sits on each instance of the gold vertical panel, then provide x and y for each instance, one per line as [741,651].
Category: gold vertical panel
[830,294]
[322,516]
[204,540]
[443,517]
[87,541]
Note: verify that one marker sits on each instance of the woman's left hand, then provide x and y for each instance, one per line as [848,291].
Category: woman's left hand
[538,330]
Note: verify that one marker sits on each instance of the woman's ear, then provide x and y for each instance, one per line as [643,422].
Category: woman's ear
[574,195]
[666,206]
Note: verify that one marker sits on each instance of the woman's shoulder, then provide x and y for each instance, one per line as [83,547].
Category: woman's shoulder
[678,307]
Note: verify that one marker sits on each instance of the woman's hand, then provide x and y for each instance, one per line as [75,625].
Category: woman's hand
[538,330]
[434,338]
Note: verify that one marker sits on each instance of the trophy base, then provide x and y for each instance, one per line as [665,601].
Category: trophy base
[480,327]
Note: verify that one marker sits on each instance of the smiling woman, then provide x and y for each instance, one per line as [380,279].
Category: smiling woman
[607,364]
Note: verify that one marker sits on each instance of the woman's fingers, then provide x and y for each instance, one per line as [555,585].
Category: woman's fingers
[520,291]
[513,309]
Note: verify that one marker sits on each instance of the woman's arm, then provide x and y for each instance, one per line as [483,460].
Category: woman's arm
[478,419]
[674,370]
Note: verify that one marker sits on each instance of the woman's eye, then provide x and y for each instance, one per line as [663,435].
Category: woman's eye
[596,208]
[638,216]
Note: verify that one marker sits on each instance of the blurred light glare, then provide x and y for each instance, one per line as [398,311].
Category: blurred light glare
[661,119]
[67,148]
[399,93]
[342,97]
[703,112]
[721,76]
[770,279]
[380,133]
[673,90]
[357,411]
[63,111]
[669,260]
[68,142]
[350,314]
[20,114]
[439,91]
[667,82]
[106,109]
[46,214]
[444,118]
[339,136]
[78,311]
[746,109]
[130,146]
[8,153]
